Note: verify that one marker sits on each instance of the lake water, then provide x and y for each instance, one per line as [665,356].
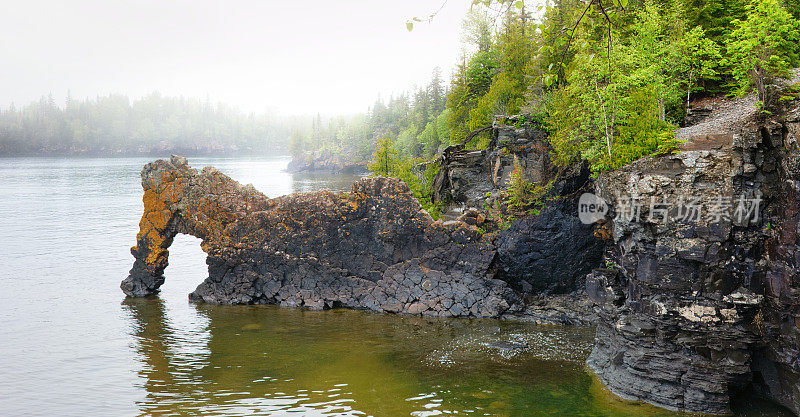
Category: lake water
[72,345]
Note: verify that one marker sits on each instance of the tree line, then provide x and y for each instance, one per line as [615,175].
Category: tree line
[412,120]
[115,124]
[609,80]
[612,79]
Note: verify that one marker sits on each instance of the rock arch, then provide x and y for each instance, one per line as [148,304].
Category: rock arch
[372,248]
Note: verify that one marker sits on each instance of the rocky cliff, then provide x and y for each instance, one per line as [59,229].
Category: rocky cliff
[701,297]
[469,178]
[698,299]
[372,248]
[544,257]
[375,248]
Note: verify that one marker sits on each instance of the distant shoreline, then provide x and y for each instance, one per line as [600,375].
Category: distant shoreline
[149,154]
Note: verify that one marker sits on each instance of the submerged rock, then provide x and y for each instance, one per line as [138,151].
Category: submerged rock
[373,248]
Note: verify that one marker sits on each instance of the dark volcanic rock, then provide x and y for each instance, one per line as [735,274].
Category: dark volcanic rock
[550,253]
[373,248]
[469,178]
[694,311]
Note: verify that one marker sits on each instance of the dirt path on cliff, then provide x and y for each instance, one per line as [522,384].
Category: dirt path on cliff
[727,115]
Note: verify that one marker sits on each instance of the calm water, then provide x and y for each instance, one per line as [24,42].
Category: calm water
[71,345]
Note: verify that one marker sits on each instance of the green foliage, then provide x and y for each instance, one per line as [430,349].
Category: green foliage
[384,161]
[614,108]
[610,81]
[763,47]
[407,140]
[479,72]
[495,211]
[790,93]
[521,195]
[388,162]
[470,83]
[520,198]
[507,91]
[715,18]
[477,30]
[435,135]
[494,80]
[700,61]
[793,7]
[430,139]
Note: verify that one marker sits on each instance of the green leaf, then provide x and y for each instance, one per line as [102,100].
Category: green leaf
[519,4]
[410,26]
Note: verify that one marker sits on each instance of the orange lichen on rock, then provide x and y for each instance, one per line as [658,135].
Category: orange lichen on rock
[370,248]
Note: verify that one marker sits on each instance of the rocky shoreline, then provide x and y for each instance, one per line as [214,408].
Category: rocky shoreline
[690,313]
[298,250]
[325,162]
[695,312]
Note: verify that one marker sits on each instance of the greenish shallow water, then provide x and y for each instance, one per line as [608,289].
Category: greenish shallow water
[266,359]
[71,345]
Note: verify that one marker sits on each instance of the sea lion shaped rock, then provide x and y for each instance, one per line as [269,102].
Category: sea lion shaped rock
[373,248]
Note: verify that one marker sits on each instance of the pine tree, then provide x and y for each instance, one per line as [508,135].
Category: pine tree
[384,159]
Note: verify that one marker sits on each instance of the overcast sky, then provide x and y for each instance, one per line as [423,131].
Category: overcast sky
[298,57]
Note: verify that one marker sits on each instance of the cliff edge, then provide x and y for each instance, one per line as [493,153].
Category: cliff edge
[701,299]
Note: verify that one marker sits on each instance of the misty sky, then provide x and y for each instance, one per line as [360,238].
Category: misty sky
[296,57]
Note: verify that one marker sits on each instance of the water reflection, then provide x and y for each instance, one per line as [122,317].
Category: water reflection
[311,182]
[266,360]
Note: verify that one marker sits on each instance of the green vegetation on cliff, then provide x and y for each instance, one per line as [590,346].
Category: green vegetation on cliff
[609,79]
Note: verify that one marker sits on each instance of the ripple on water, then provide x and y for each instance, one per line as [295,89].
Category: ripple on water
[71,346]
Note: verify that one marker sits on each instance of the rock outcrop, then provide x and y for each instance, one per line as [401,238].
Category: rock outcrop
[551,253]
[702,301]
[469,178]
[698,299]
[546,254]
[373,248]
[326,162]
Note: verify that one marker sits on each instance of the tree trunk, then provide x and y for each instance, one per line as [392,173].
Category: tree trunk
[689,88]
